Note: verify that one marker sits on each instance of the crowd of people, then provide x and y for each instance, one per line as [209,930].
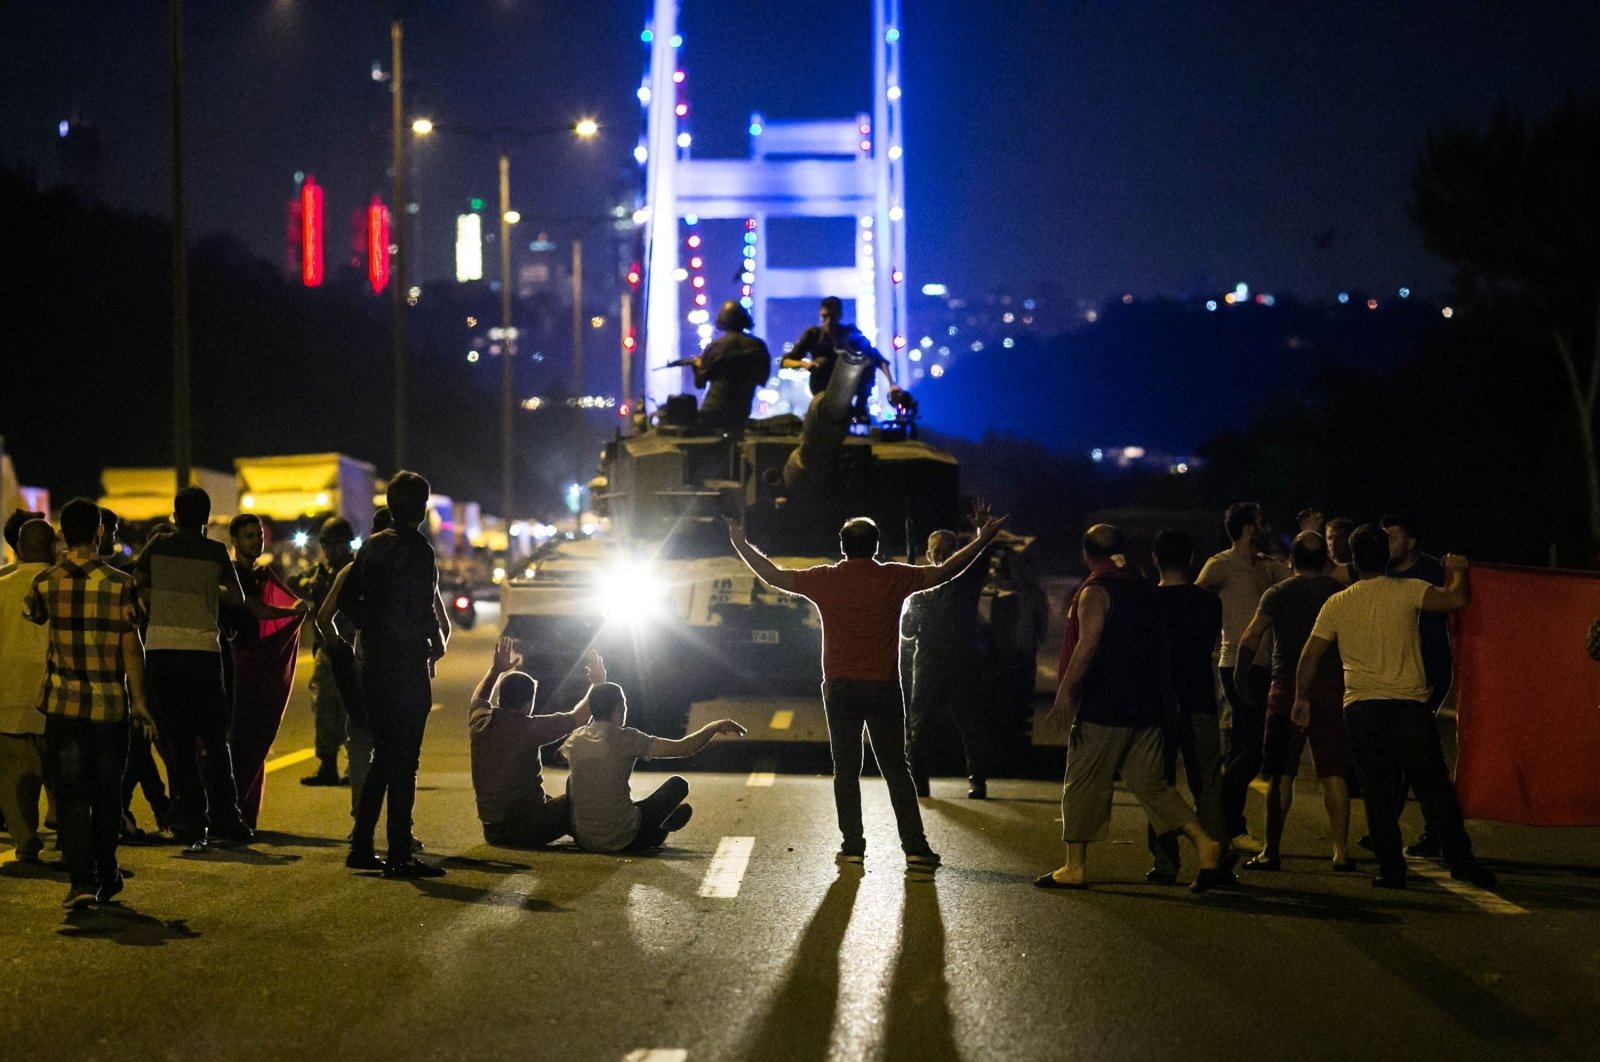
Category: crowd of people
[186,651]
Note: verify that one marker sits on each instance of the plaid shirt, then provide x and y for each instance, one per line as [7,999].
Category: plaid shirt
[88,606]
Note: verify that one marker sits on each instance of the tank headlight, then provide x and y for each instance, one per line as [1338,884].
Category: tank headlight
[631,593]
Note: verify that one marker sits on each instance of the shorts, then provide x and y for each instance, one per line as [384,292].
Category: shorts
[1284,742]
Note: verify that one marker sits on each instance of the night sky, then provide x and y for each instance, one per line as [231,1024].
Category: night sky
[1145,147]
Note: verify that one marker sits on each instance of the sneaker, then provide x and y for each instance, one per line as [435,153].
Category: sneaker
[926,857]
[979,790]
[78,899]
[1245,843]
[411,868]
[678,819]
[1427,847]
[106,892]
[1475,873]
[324,776]
[852,852]
[1160,877]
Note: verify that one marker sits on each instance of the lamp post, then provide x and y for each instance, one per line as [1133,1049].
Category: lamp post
[401,293]
[508,217]
[182,441]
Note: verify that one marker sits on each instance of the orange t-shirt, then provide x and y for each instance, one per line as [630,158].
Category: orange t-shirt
[860,602]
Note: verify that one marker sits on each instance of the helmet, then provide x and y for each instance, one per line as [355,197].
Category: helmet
[734,317]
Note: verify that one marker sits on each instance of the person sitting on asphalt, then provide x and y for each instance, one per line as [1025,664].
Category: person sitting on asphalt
[600,758]
[506,734]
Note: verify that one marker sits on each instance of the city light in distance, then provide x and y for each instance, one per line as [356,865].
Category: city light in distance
[586,127]
[512,217]
[935,290]
[1447,313]
[422,126]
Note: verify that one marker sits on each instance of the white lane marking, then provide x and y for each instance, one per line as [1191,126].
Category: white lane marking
[761,779]
[656,1054]
[1471,893]
[289,759]
[782,719]
[727,868]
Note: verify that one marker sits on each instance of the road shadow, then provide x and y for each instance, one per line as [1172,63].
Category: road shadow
[121,924]
[276,839]
[798,1025]
[918,1027]
[48,869]
[440,889]
[1452,992]
[239,854]
[488,866]
[1256,900]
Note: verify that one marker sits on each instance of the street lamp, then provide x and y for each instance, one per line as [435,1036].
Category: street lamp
[584,129]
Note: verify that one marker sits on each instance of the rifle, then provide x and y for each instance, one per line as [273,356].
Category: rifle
[678,364]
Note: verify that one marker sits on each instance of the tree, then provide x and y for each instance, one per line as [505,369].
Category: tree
[1515,209]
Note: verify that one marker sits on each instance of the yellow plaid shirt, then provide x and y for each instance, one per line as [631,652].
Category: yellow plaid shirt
[88,606]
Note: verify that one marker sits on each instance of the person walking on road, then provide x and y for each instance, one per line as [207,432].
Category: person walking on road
[1289,610]
[860,600]
[1392,730]
[1239,575]
[186,576]
[391,593]
[1114,698]
[950,664]
[94,684]
[327,706]
[1192,619]
[24,652]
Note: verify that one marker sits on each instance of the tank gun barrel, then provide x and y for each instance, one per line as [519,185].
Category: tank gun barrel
[827,421]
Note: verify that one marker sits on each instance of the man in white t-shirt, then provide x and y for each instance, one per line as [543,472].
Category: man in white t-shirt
[600,759]
[1392,730]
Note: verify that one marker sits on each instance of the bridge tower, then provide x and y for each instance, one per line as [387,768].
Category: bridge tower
[817,168]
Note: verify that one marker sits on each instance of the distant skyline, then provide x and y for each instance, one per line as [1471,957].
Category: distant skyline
[1143,147]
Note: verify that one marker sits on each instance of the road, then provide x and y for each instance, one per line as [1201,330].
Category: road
[276,951]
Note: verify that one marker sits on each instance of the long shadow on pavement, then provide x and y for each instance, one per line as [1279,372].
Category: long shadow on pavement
[239,854]
[276,839]
[799,1020]
[121,924]
[439,889]
[1259,900]
[918,1026]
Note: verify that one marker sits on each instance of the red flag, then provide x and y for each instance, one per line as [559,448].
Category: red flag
[263,676]
[1528,698]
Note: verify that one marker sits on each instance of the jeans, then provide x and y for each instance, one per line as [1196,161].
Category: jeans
[533,825]
[399,695]
[654,811]
[963,693]
[190,705]
[142,773]
[84,762]
[1395,741]
[21,780]
[1197,737]
[1243,760]
[850,706]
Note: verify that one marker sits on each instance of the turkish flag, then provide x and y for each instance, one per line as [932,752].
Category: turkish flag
[1528,698]
[263,676]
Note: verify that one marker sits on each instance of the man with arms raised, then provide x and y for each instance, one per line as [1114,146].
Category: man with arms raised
[859,600]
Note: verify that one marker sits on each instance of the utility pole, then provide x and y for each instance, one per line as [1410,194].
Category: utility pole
[401,292]
[507,425]
[577,317]
[182,441]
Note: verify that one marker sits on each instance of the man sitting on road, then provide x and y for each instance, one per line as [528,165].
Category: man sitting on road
[507,733]
[601,755]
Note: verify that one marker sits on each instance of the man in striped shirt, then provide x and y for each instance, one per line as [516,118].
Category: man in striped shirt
[94,681]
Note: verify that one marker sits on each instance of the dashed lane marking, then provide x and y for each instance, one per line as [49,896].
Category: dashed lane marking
[656,1054]
[782,719]
[1482,898]
[761,779]
[727,868]
[289,759]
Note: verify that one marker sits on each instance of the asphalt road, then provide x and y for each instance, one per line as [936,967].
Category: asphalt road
[276,951]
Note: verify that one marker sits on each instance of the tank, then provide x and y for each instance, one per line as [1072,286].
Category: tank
[677,615]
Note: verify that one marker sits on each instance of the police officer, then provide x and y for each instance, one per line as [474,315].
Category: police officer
[734,365]
[818,349]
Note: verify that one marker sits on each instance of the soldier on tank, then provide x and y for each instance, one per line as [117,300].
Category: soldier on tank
[734,365]
[818,349]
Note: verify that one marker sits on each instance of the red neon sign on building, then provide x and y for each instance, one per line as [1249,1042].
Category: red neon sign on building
[377,245]
[311,233]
